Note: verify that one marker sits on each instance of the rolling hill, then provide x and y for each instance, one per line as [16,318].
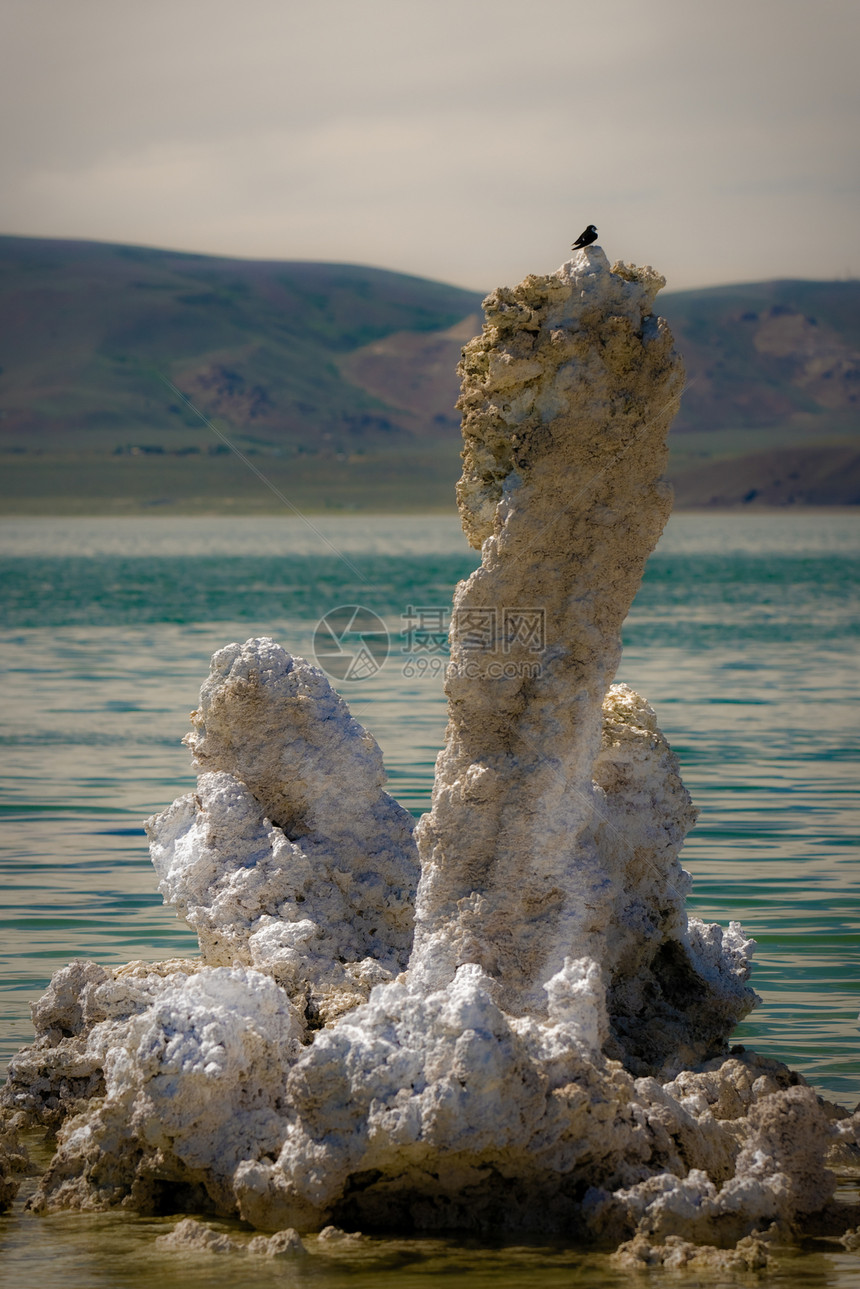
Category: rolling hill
[337,383]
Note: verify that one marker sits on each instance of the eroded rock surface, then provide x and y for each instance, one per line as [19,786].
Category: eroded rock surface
[14,1162]
[192,1237]
[193,1084]
[546,787]
[749,1255]
[289,857]
[535,1038]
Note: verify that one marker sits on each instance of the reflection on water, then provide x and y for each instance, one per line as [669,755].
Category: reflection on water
[117,1251]
[744,637]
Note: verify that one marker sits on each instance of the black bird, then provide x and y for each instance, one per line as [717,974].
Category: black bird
[586,238]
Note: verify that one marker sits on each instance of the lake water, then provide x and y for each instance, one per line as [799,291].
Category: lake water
[744,637]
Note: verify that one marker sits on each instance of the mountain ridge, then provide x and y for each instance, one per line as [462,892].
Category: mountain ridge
[341,379]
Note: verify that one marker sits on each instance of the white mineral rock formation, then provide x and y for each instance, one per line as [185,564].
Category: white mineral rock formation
[190,1236]
[567,398]
[14,1160]
[192,1084]
[551,1051]
[289,857]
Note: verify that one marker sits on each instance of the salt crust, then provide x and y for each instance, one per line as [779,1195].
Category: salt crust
[748,1255]
[289,857]
[191,1236]
[532,1035]
[14,1161]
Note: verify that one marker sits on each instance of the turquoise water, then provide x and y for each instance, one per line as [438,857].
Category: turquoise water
[744,637]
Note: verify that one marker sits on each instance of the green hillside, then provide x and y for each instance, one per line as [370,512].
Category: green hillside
[87,329]
[337,385]
[771,415]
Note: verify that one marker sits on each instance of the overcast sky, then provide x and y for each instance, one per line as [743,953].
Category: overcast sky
[465,140]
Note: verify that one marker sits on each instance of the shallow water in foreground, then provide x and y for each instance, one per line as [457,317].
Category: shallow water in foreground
[744,637]
[117,1251]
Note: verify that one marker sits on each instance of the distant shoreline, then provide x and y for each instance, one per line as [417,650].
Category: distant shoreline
[71,508]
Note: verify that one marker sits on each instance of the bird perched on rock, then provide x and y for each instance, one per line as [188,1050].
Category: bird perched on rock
[586,238]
